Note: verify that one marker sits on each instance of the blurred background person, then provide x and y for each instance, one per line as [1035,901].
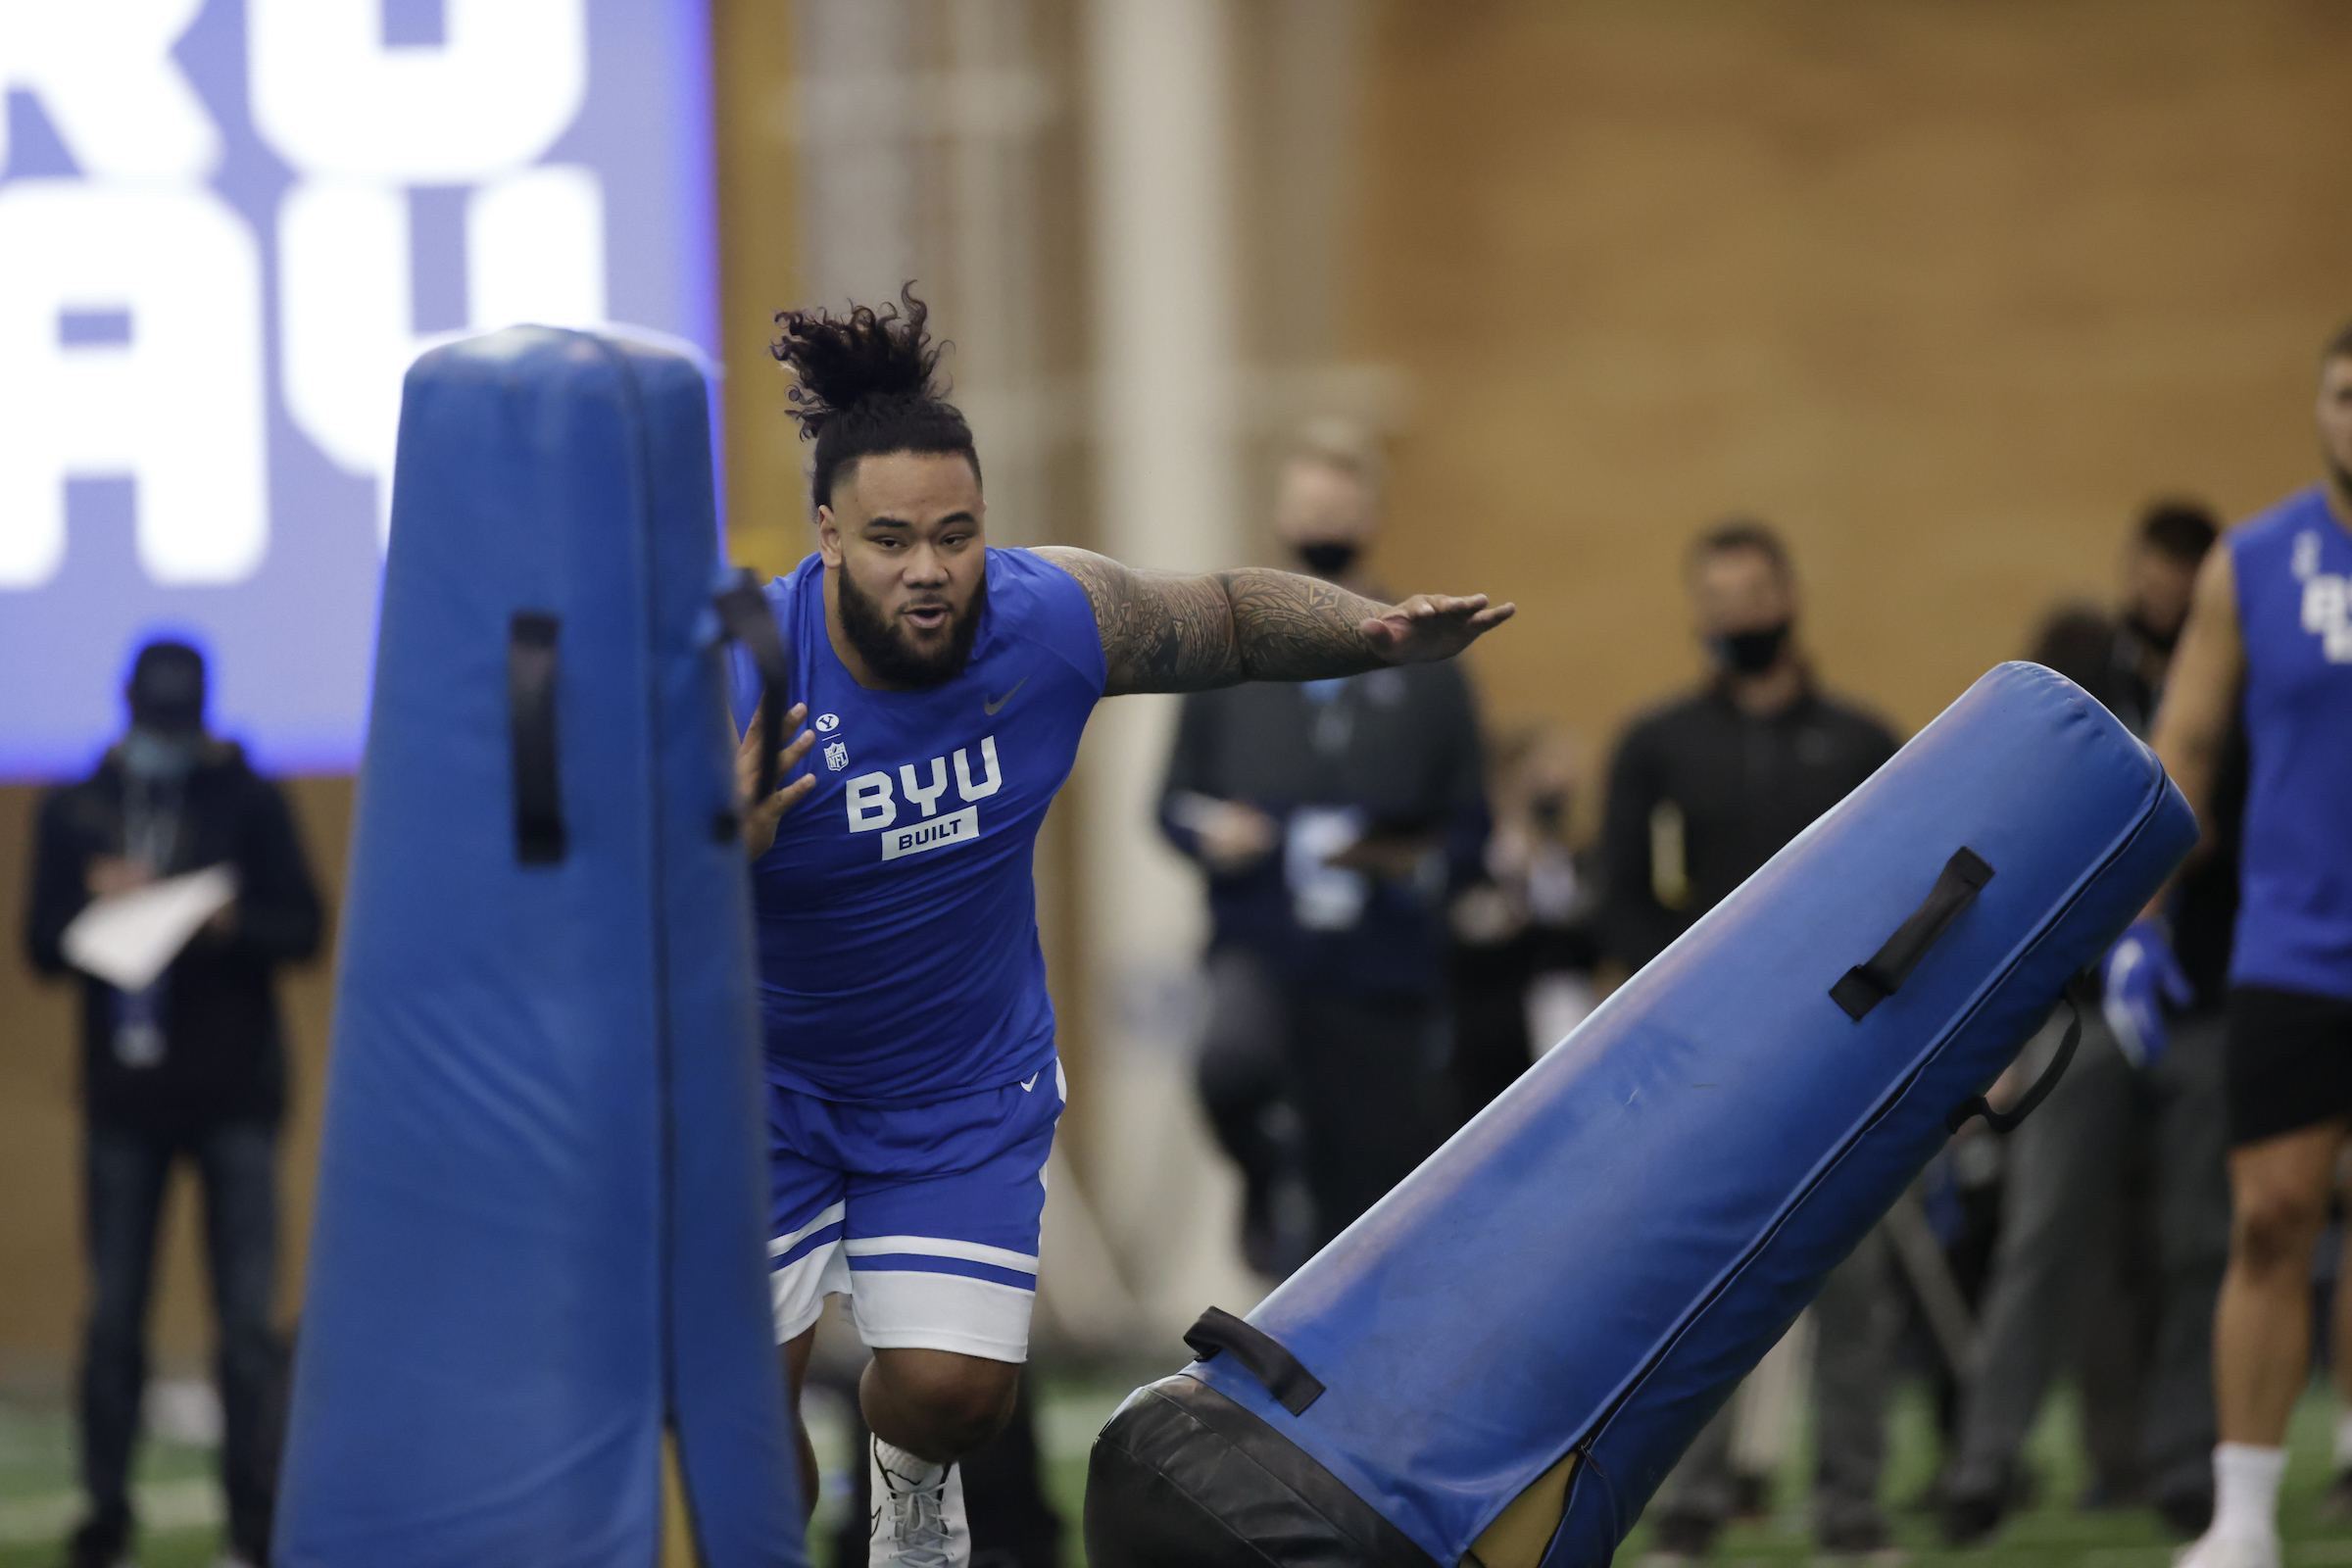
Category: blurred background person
[2116,1211]
[1331,818]
[2269,645]
[1702,792]
[1524,948]
[192,1067]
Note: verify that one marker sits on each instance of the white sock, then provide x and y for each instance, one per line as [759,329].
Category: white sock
[2343,1441]
[2246,1490]
[919,1474]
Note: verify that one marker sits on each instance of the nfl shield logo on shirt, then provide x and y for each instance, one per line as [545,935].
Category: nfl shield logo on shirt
[837,756]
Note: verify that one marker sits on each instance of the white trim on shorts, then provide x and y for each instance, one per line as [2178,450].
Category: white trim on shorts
[785,1244]
[797,1291]
[910,1308]
[934,1246]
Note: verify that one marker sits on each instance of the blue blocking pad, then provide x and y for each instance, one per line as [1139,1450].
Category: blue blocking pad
[1590,1267]
[539,1234]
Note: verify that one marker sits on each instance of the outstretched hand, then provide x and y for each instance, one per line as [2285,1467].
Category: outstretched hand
[759,817]
[1432,626]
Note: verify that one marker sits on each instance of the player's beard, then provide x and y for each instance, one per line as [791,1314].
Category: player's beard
[882,642]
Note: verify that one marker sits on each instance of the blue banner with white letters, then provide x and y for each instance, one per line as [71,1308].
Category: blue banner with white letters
[226,227]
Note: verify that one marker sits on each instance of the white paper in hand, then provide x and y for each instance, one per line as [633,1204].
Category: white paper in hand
[127,939]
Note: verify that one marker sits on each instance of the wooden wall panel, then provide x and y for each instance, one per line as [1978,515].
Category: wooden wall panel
[40,1259]
[758,269]
[1943,291]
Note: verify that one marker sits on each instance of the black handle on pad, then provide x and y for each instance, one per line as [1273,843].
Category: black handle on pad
[743,612]
[1293,1386]
[531,728]
[1866,985]
[2003,1121]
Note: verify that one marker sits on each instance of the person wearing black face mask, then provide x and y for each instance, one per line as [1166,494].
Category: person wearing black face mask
[1329,558]
[1707,788]
[191,1067]
[1704,791]
[1751,652]
[1332,820]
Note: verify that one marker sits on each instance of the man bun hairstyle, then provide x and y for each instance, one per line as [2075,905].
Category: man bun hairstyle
[867,387]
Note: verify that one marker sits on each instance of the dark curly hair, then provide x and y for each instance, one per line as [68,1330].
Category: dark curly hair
[867,386]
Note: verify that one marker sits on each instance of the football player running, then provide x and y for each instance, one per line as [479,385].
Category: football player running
[912,1086]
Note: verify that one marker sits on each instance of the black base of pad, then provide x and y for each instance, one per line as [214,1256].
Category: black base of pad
[1184,1478]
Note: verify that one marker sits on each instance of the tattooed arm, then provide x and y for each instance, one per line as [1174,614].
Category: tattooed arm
[1165,631]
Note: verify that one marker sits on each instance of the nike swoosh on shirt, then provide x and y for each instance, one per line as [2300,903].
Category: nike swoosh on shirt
[989,706]
[1032,1083]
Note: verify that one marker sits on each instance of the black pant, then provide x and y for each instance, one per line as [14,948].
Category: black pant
[127,1172]
[1242,1078]
[1491,1045]
[1359,1073]
[1363,1070]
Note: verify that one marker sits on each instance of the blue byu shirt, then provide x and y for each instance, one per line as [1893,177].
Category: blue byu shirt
[899,956]
[2294,610]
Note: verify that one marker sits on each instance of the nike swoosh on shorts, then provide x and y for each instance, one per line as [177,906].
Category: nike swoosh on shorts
[1032,1083]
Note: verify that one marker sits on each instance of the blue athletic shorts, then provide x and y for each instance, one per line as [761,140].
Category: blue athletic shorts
[925,1215]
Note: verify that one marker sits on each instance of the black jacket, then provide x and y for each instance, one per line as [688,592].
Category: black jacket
[224,1055]
[1401,747]
[1729,790]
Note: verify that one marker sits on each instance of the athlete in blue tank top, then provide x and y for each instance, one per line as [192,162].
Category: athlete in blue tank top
[937,691]
[899,955]
[2270,637]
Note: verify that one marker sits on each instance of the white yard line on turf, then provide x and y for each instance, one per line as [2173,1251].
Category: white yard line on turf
[161,1505]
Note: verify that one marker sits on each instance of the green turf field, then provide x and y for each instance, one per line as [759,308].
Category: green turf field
[2052,1533]
[38,1505]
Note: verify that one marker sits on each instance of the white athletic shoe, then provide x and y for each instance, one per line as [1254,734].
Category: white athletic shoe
[2211,1550]
[919,1521]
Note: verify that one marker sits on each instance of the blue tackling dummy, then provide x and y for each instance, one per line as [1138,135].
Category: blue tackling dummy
[1499,1363]
[539,1228]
